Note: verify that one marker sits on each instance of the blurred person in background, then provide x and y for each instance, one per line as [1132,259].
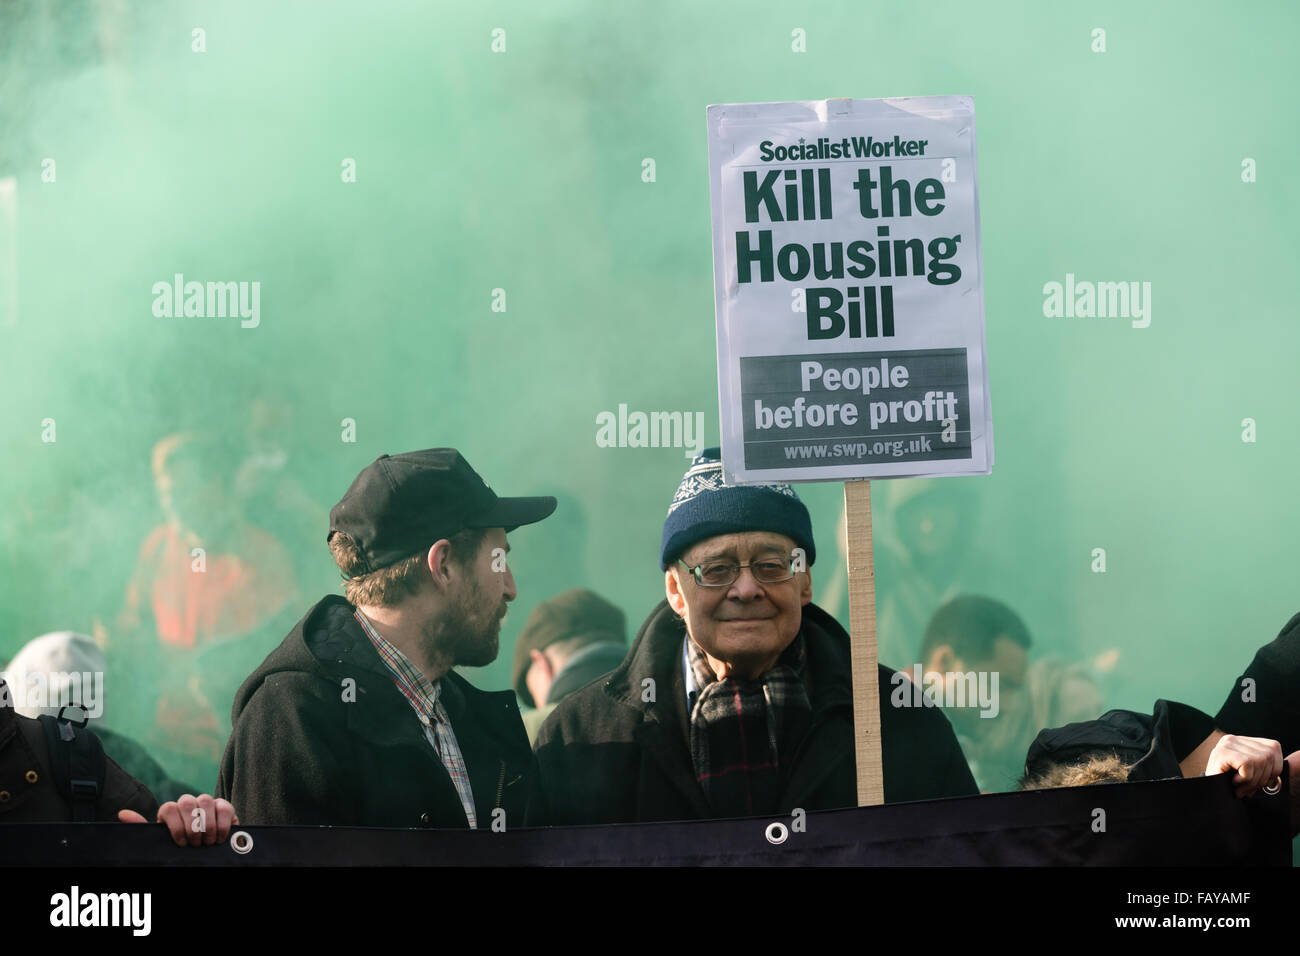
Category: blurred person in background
[271,495]
[923,534]
[567,643]
[972,633]
[210,593]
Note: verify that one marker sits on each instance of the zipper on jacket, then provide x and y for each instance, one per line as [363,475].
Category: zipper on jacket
[501,784]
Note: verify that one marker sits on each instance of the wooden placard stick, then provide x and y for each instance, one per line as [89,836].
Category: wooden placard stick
[862,643]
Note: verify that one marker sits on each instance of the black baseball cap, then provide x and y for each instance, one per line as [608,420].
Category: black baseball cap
[401,504]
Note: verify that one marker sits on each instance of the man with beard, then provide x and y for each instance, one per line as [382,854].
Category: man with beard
[357,718]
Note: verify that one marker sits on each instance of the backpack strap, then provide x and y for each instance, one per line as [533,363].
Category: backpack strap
[78,761]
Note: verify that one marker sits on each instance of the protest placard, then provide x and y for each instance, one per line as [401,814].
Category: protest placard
[849,289]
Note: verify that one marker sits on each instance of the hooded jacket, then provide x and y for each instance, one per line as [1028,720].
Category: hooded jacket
[617,752]
[322,736]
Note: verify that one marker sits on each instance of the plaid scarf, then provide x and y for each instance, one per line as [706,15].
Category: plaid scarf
[740,729]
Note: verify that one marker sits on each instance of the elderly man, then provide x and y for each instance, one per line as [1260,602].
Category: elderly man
[357,719]
[735,699]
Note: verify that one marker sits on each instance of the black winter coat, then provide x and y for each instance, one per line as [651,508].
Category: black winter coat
[608,756]
[308,748]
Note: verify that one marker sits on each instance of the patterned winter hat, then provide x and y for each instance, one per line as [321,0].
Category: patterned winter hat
[704,507]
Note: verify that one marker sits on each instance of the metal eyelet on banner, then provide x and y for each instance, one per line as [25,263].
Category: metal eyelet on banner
[241,841]
[776,833]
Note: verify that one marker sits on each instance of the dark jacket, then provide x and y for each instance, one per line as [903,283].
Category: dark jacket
[1270,706]
[135,760]
[608,756]
[311,747]
[28,793]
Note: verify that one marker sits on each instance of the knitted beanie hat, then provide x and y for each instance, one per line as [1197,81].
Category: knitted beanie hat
[704,507]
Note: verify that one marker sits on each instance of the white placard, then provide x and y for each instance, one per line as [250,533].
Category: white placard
[850,296]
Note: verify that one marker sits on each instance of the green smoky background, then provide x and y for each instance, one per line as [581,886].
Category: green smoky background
[521,171]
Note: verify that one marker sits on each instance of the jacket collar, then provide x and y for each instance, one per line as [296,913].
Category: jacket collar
[330,642]
[585,666]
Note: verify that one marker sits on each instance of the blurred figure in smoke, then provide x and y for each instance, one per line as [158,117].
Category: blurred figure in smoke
[977,634]
[272,497]
[209,592]
[923,534]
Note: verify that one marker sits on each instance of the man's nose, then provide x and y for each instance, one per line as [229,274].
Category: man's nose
[511,592]
[746,586]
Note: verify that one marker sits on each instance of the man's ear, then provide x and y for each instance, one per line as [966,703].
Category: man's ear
[943,660]
[805,590]
[673,589]
[439,563]
[541,660]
